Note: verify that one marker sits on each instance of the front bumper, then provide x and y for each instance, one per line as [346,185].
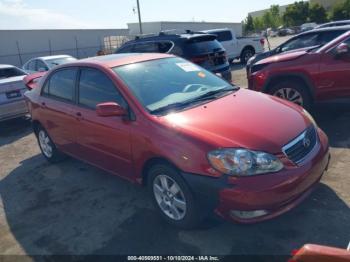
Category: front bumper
[267,195]
[13,109]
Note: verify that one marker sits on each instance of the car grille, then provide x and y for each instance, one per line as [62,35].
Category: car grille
[299,148]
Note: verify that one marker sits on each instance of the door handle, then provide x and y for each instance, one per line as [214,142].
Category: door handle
[43,105]
[79,116]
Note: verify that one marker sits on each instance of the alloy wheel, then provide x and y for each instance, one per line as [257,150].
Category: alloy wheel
[169,197]
[291,95]
[45,144]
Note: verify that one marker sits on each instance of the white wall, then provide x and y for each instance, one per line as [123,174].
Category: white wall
[34,43]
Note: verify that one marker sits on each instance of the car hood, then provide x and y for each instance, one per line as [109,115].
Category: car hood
[288,56]
[261,56]
[245,119]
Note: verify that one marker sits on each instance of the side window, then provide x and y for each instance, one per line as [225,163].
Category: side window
[40,66]
[31,65]
[126,49]
[62,84]
[306,40]
[147,47]
[164,47]
[224,36]
[95,87]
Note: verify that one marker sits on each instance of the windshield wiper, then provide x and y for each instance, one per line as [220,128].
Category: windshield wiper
[207,96]
[213,94]
[169,107]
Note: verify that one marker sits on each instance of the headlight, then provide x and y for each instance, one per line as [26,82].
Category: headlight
[309,116]
[242,162]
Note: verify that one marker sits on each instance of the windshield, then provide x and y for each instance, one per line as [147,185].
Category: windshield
[300,42]
[10,72]
[161,83]
[59,61]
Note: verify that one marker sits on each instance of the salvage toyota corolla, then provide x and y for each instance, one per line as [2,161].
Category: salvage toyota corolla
[197,142]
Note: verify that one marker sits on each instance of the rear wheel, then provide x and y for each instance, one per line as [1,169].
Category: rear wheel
[47,147]
[172,197]
[294,91]
[247,53]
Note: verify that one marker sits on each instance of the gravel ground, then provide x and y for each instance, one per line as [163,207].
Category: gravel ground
[72,208]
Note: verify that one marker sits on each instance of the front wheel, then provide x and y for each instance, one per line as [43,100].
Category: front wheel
[293,91]
[172,197]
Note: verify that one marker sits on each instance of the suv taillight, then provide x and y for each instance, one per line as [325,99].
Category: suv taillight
[199,59]
[262,41]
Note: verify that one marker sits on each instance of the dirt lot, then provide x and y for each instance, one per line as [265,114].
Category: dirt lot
[73,208]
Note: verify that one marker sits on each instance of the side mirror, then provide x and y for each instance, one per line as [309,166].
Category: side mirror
[342,49]
[110,109]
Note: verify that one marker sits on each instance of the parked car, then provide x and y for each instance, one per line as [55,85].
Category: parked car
[317,37]
[12,104]
[202,49]
[192,138]
[317,253]
[45,63]
[308,26]
[285,31]
[335,23]
[242,48]
[306,76]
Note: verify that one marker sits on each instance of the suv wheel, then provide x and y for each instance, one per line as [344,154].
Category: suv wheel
[172,197]
[47,147]
[293,91]
[247,53]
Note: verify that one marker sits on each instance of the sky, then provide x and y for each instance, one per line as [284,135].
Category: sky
[66,14]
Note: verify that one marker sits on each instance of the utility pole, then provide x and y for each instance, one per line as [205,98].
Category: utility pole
[139,12]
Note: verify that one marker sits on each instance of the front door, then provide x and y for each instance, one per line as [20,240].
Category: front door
[102,141]
[334,74]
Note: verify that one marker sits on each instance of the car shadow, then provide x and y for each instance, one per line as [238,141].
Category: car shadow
[334,118]
[71,208]
[14,129]
[236,65]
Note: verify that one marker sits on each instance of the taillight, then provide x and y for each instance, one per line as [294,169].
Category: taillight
[199,59]
[262,41]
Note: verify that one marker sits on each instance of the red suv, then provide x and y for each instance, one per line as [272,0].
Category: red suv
[190,136]
[306,75]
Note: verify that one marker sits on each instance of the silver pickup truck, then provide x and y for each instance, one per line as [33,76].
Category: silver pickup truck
[12,104]
[242,48]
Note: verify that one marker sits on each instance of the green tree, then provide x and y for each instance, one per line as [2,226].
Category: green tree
[258,24]
[341,11]
[249,24]
[317,14]
[296,14]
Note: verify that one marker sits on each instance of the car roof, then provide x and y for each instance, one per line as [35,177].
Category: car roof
[2,66]
[334,23]
[165,36]
[326,29]
[115,60]
[52,57]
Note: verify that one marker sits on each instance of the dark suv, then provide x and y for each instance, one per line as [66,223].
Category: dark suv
[200,48]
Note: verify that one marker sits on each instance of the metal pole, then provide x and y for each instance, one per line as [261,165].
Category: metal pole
[19,53]
[139,12]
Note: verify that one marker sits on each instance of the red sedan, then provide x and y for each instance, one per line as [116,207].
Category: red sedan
[192,138]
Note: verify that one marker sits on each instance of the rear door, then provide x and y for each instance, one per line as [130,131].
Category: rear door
[334,74]
[57,104]
[102,141]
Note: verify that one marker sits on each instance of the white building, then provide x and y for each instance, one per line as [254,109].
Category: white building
[180,27]
[18,46]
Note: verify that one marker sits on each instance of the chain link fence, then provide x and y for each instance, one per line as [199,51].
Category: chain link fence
[77,49]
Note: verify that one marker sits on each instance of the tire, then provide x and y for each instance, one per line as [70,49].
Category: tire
[294,91]
[184,214]
[47,147]
[246,54]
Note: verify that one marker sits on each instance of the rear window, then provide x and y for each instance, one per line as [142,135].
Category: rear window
[195,48]
[10,72]
[223,36]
